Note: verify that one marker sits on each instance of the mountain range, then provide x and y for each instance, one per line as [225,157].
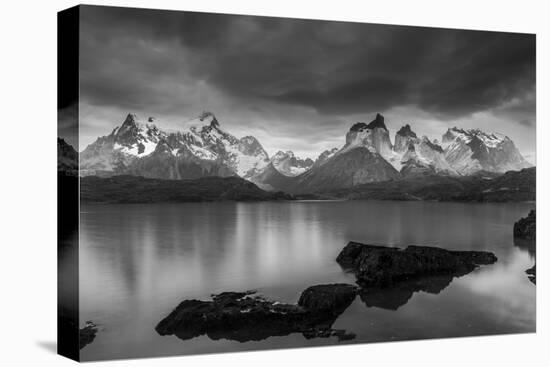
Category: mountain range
[204,149]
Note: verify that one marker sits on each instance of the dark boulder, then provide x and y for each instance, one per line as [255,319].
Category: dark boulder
[381,266]
[328,298]
[244,316]
[526,227]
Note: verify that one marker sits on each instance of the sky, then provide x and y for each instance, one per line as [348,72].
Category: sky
[299,84]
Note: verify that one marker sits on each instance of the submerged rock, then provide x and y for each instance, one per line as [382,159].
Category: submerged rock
[380,266]
[526,227]
[244,316]
[87,334]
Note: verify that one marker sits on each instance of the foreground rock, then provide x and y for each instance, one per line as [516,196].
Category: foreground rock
[526,227]
[87,334]
[380,266]
[244,316]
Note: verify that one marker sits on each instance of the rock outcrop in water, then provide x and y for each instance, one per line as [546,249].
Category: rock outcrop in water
[532,274]
[87,334]
[244,316]
[526,227]
[380,266]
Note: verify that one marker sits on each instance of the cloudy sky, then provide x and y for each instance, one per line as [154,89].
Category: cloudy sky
[300,84]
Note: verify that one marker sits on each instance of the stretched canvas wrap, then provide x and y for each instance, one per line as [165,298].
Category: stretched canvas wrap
[231,183]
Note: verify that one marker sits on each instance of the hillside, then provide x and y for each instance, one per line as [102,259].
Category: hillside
[134,189]
[511,186]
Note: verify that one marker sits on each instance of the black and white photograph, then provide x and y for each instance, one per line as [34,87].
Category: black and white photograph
[234,183]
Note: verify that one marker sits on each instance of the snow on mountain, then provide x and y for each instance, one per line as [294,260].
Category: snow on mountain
[203,143]
[367,156]
[420,154]
[245,156]
[203,148]
[325,156]
[469,151]
[67,158]
[290,165]
[373,136]
[403,138]
[343,170]
[136,138]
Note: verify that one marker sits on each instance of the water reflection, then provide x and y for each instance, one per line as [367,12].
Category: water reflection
[138,261]
[67,270]
[246,316]
[531,247]
[392,298]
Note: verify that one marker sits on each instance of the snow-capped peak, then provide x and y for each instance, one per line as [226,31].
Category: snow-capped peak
[131,119]
[373,136]
[282,155]
[406,131]
[290,165]
[202,140]
[490,140]
[473,150]
[205,120]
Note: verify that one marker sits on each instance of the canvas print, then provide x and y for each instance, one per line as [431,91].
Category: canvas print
[233,182]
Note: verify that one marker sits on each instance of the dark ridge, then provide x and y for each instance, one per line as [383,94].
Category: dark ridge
[130,120]
[434,146]
[358,126]
[406,131]
[513,186]
[136,189]
[377,122]
[206,114]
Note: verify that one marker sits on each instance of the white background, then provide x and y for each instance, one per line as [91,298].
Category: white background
[28,182]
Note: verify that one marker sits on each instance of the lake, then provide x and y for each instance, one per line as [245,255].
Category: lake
[137,262]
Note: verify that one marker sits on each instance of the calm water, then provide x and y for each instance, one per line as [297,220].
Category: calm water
[137,262]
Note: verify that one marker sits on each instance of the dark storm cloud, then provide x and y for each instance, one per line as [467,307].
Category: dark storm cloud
[136,57]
